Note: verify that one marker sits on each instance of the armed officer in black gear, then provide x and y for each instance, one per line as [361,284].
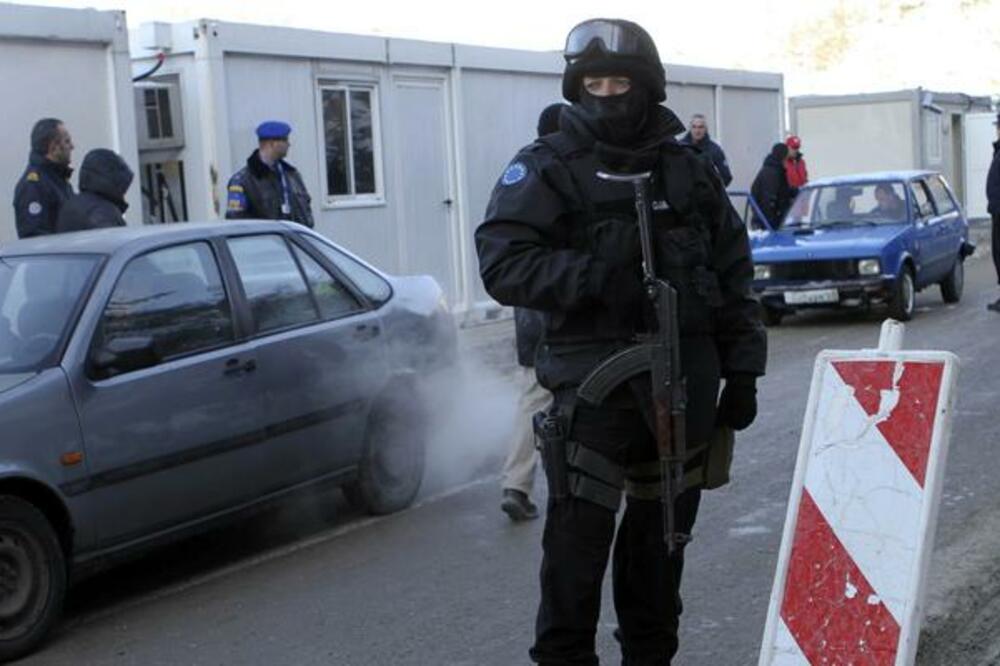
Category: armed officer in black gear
[559,239]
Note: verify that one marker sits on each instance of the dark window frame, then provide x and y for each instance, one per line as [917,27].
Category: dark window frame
[352,198]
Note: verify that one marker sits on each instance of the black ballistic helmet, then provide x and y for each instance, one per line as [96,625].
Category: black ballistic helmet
[612,46]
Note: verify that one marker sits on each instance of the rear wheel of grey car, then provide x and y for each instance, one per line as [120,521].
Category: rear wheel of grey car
[32,577]
[952,286]
[392,464]
[904,296]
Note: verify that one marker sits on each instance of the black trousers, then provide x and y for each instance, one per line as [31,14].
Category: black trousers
[577,544]
[995,240]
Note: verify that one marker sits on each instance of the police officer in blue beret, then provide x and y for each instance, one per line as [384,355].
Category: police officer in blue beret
[268,187]
[44,186]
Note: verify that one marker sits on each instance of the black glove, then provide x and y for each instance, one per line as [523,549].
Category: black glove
[738,404]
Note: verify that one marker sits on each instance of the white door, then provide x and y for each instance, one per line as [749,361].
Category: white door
[427,234]
[979,137]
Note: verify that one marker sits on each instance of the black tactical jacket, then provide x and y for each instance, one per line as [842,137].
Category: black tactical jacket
[255,193]
[39,195]
[537,250]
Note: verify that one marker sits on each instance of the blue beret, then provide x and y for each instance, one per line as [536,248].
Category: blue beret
[273,129]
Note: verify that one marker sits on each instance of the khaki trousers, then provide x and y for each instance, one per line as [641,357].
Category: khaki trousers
[519,469]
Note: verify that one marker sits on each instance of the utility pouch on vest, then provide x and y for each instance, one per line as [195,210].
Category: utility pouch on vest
[551,433]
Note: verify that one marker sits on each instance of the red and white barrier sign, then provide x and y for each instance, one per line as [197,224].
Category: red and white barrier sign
[860,524]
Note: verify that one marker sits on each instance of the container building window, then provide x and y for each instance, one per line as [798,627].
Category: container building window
[351,142]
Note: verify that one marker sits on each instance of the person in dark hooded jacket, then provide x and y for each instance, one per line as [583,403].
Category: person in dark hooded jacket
[770,188]
[104,179]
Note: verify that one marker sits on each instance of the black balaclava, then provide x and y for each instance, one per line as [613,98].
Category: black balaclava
[618,119]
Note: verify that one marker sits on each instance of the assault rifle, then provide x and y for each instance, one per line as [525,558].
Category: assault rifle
[658,353]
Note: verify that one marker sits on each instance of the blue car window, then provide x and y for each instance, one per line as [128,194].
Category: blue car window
[272,282]
[333,299]
[174,296]
[922,199]
[861,203]
[942,199]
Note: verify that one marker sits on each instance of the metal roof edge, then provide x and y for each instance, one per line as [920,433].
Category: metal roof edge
[57,23]
[303,43]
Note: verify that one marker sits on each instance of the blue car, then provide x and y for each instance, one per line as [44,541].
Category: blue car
[859,241]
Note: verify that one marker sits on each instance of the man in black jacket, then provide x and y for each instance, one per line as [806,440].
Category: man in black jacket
[697,136]
[104,180]
[44,187]
[993,206]
[268,187]
[557,238]
[771,189]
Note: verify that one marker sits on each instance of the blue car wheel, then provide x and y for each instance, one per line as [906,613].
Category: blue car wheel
[952,286]
[904,296]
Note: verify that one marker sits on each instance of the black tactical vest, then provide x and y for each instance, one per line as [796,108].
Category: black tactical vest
[683,201]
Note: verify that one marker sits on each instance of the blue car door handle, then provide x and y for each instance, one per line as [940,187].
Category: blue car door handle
[237,366]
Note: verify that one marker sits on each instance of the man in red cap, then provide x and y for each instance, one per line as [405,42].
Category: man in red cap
[795,165]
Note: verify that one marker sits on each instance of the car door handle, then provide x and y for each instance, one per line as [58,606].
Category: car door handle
[365,331]
[235,366]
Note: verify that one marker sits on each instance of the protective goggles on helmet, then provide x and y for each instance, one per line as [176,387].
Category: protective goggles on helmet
[609,37]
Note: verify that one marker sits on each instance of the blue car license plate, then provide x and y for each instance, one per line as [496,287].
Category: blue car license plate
[812,297]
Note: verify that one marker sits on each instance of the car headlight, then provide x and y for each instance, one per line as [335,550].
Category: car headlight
[762,272]
[869,267]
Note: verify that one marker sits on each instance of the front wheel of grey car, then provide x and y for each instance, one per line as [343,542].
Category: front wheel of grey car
[32,577]
[904,296]
[952,286]
[392,464]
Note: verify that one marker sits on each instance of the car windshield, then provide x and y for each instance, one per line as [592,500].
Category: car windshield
[882,202]
[38,294]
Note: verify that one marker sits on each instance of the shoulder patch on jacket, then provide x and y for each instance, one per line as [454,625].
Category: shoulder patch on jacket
[32,177]
[514,174]
[237,199]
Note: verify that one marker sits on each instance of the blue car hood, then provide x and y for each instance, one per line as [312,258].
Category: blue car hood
[843,242]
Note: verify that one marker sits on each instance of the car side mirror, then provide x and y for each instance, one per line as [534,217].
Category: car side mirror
[125,354]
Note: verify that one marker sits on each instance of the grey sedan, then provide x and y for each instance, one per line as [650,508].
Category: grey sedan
[154,379]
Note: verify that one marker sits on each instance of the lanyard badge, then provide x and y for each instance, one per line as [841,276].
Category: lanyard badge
[286,206]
